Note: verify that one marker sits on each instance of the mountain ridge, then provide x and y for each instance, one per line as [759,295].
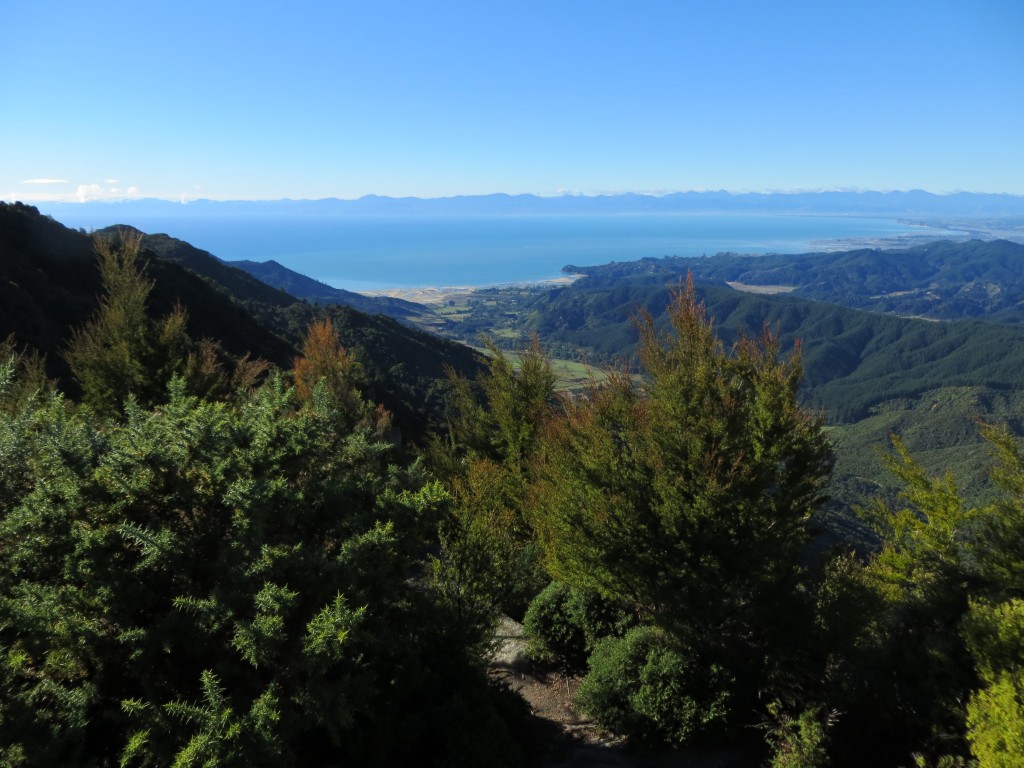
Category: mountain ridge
[942,280]
[304,287]
[50,285]
[867,203]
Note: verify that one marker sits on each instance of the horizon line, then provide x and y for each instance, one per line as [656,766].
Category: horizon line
[183,199]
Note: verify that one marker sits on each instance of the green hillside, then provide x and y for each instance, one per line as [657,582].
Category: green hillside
[942,280]
[853,359]
[870,374]
[49,285]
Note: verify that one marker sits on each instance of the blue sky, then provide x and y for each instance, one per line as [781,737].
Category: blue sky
[229,100]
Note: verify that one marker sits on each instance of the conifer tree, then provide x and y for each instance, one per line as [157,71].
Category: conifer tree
[120,351]
[688,497]
[325,361]
[491,560]
[22,376]
[941,622]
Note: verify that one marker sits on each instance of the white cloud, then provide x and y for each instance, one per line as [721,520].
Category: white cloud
[83,194]
[45,181]
[112,181]
[90,192]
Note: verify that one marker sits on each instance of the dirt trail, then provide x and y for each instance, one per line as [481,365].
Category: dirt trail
[570,738]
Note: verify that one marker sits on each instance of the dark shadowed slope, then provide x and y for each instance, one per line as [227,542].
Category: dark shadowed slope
[279,276]
[49,285]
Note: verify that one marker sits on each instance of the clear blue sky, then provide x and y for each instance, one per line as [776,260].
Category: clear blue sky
[223,99]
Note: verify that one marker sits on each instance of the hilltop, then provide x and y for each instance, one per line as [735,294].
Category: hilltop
[49,286]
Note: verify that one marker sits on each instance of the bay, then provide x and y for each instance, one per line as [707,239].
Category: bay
[382,252]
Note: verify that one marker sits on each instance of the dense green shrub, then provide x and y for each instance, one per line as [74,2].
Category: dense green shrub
[223,584]
[799,741]
[645,686]
[490,560]
[565,623]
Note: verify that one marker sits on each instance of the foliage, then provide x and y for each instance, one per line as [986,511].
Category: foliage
[942,622]
[22,376]
[490,557]
[799,742]
[212,583]
[565,623]
[189,582]
[707,477]
[940,430]
[995,722]
[925,539]
[995,712]
[499,418]
[49,284]
[120,352]
[643,684]
[326,363]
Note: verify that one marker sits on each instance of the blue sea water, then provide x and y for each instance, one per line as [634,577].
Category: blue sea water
[379,252]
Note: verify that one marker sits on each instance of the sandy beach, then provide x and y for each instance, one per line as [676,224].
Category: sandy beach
[441,294]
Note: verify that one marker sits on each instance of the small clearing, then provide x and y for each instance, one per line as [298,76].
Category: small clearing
[764,290]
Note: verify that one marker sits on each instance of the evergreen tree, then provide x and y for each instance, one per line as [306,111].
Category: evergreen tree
[689,497]
[120,352]
[22,376]
[934,620]
[326,363]
[491,560]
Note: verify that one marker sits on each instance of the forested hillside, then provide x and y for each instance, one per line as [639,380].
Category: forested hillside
[49,285]
[870,374]
[942,281]
[853,359]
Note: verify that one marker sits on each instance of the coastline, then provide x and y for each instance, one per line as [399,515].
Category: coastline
[439,294]
[932,231]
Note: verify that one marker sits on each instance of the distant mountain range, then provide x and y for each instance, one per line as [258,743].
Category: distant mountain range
[913,203]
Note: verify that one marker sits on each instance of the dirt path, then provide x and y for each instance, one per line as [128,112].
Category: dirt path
[571,739]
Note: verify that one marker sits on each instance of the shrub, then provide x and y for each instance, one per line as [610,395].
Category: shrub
[799,742]
[566,623]
[224,584]
[642,686]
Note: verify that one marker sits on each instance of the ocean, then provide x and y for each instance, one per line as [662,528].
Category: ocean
[382,252]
